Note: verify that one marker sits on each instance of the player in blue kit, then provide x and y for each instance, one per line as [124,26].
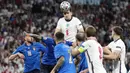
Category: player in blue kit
[62,53]
[83,65]
[48,60]
[31,51]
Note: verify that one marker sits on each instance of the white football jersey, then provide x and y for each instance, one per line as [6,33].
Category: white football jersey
[118,65]
[94,54]
[69,28]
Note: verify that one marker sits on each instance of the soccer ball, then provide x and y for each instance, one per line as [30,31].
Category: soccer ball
[65,6]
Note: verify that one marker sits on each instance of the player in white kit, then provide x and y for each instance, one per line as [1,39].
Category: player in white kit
[116,51]
[93,51]
[69,25]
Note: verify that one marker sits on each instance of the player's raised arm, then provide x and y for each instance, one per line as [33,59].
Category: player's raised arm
[33,35]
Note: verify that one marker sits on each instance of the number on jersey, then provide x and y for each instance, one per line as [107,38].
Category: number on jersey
[100,52]
[70,58]
[67,32]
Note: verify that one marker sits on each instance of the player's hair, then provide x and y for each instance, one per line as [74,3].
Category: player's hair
[118,30]
[90,31]
[80,36]
[59,36]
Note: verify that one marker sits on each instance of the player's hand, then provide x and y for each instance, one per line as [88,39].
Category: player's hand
[25,33]
[20,55]
[53,71]
[84,71]
[81,72]
[74,44]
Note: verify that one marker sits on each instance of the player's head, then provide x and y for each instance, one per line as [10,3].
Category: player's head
[90,31]
[28,39]
[65,8]
[59,37]
[80,37]
[117,31]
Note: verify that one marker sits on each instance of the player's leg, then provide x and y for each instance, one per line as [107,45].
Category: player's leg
[50,67]
[44,68]
[34,71]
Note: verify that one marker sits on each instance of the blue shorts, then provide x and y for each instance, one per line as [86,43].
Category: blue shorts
[34,71]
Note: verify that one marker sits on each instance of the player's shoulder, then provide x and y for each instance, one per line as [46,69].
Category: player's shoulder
[62,19]
[58,46]
[49,39]
[120,43]
[66,46]
[86,43]
[91,41]
[61,46]
[21,47]
[37,44]
[75,18]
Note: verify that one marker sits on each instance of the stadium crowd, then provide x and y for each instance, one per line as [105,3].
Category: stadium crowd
[41,16]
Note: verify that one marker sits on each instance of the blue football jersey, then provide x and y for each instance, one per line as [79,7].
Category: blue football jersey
[32,55]
[48,57]
[68,66]
[83,62]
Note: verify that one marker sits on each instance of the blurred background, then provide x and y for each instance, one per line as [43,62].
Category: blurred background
[41,16]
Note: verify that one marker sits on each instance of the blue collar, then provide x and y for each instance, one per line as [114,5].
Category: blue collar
[27,45]
[60,42]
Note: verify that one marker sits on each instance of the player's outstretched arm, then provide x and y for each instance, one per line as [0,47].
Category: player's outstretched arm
[74,52]
[106,50]
[33,35]
[58,65]
[79,50]
[13,56]
[113,56]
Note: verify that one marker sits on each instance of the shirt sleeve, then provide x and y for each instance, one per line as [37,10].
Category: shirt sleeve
[114,47]
[84,47]
[111,45]
[58,24]
[48,40]
[68,43]
[79,24]
[117,48]
[18,50]
[42,48]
